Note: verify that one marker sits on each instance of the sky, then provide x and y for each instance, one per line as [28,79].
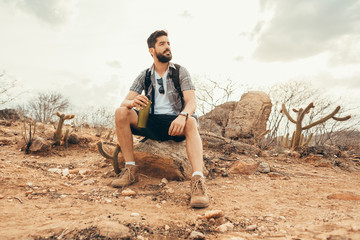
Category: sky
[92,50]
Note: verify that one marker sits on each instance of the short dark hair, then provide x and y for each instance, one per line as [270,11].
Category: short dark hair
[152,39]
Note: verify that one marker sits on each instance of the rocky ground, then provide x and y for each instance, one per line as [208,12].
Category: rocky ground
[65,194]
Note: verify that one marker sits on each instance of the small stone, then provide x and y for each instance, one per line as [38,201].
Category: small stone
[163,201]
[1,196]
[214,214]
[158,205]
[127,198]
[164,181]
[225,227]
[128,192]
[134,214]
[123,204]
[196,235]
[89,182]
[55,170]
[84,171]
[65,172]
[251,228]
[264,167]
[166,227]
[212,221]
[170,190]
[282,218]
[74,171]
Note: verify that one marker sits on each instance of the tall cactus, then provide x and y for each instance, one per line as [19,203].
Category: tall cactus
[300,117]
[58,134]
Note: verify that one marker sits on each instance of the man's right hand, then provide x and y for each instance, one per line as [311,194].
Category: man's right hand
[139,101]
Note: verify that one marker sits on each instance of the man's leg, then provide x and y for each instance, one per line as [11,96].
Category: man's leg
[194,147]
[124,118]
[199,197]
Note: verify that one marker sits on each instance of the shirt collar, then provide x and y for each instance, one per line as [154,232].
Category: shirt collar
[171,65]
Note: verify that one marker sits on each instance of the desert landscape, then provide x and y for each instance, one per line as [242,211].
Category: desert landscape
[64,193]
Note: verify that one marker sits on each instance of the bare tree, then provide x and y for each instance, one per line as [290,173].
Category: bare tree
[102,117]
[6,85]
[44,106]
[211,93]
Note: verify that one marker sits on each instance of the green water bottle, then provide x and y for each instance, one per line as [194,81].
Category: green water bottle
[144,115]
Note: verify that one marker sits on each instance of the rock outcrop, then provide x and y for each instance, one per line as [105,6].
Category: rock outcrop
[167,159]
[244,120]
[9,114]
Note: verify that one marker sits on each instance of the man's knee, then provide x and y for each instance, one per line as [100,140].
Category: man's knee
[122,115]
[191,126]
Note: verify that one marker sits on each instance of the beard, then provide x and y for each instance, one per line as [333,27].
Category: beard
[164,58]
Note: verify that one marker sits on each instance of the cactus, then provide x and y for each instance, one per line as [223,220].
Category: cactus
[114,157]
[300,117]
[29,140]
[58,134]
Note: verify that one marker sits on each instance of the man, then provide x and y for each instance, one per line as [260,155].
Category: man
[172,117]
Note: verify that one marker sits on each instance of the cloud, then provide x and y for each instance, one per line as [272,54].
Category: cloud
[53,12]
[185,14]
[114,64]
[301,29]
[86,92]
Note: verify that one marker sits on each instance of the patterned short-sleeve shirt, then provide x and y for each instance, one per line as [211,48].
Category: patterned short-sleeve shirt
[173,95]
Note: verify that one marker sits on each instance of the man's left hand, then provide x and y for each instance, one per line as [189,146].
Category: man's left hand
[177,126]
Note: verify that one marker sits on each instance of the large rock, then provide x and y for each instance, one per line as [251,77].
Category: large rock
[167,159]
[244,120]
[249,116]
[216,120]
[9,114]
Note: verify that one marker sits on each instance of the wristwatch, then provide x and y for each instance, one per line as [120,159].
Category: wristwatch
[184,114]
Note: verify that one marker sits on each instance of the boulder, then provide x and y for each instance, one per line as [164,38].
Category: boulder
[242,168]
[216,120]
[244,120]
[249,117]
[113,230]
[9,114]
[40,145]
[166,159]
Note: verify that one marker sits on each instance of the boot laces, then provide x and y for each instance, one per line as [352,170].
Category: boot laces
[127,170]
[199,186]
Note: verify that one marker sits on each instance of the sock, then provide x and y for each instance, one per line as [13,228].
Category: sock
[198,173]
[130,163]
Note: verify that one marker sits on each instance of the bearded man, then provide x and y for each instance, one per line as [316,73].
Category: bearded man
[171,116]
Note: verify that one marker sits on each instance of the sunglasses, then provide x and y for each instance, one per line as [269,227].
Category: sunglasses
[160,82]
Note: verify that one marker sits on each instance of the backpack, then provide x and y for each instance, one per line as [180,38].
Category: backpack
[174,77]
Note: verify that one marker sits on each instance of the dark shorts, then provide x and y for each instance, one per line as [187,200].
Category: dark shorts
[157,128]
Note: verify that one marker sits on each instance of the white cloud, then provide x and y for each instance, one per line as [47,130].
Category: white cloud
[53,12]
[301,29]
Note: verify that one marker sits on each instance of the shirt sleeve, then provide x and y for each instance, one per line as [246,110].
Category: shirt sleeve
[185,80]
[139,83]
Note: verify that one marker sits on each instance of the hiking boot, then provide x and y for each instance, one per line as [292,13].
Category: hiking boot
[127,177]
[199,197]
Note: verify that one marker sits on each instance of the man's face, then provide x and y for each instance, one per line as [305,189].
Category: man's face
[162,49]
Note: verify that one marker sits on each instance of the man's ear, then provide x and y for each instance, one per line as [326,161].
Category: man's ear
[152,51]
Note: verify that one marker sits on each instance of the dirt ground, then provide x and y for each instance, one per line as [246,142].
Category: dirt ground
[66,195]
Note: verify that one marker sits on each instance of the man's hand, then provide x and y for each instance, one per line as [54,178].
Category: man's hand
[177,126]
[140,101]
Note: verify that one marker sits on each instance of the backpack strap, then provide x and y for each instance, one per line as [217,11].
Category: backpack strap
[147,86]
[176,80]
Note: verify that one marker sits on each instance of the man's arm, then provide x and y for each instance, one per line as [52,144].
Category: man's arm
[178,125]
[134,99]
